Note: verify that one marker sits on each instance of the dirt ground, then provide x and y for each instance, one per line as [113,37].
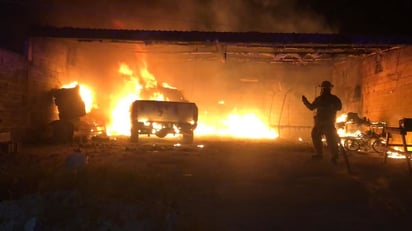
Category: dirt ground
[209,185]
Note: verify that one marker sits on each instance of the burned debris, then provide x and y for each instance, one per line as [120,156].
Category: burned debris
[71,108]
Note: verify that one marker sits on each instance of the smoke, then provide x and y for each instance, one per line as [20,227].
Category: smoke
[281,16]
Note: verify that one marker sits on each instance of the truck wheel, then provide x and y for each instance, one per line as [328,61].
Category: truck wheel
[162,133]
[188,137]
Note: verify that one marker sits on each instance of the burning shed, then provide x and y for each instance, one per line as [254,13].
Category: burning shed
[246,85]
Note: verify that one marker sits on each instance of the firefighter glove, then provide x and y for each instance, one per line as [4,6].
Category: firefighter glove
[304,99]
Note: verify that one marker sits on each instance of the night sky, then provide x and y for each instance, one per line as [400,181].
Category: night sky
[285,16]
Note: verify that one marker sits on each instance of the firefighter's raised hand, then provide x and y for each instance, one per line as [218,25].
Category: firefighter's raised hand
[304,99]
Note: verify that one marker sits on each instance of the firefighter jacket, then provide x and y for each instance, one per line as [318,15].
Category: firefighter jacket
[326,106]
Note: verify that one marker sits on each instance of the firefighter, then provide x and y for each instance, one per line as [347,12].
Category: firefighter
[326,105]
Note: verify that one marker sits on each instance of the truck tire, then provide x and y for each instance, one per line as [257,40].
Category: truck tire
[162,133]
[188,137]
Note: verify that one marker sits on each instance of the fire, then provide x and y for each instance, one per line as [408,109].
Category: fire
[120,117]
[131,91]
[86,94]
[148,78]
[345,131]
[166,85]
[236,125]
[342,118]
[396,153]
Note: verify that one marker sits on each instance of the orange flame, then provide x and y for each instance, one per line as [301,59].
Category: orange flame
[86,94]
[396,153]
[148,78]
[120,119]
[236,125]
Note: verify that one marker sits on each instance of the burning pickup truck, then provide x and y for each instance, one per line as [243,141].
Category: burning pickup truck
[161,118]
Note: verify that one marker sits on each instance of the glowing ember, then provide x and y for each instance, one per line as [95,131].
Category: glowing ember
[85,93]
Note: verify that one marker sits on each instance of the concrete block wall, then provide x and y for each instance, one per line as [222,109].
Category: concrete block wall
[26,105]
[13,94]
[386,83]
[47,64]
[347,78]
[387,87]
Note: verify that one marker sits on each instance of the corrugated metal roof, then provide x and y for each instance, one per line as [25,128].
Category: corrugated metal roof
[225,37]
[283,46]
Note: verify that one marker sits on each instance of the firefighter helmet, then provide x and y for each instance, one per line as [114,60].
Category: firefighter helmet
[326,84]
